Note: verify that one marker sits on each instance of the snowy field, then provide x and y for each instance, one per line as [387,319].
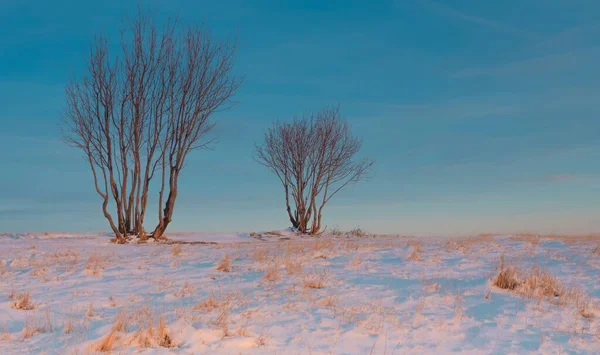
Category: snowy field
[286,294]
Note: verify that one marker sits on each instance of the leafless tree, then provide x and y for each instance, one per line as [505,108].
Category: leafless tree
[142,115]
[314,158]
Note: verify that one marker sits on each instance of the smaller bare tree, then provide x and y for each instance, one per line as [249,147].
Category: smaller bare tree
[314,158]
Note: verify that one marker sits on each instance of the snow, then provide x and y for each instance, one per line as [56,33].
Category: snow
[327,295]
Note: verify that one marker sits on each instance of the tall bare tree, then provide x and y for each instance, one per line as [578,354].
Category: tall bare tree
[142,115]
[314,158]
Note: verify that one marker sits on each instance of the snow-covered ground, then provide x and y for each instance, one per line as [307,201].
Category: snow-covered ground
[331,295]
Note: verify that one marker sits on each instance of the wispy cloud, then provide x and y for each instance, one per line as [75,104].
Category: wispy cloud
[531,65]
[562,178]
[485,106]
[478,20]
[569,37]
[582,59]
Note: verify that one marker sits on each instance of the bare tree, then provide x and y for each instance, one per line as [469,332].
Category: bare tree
[143,115]
[314,158]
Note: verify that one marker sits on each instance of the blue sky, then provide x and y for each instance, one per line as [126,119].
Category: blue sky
[481,116]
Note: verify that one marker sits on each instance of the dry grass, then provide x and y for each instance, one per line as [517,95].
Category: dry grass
[5,336]
[68,325]
[147,334]
[357,233]
[176,250]
[263,338]
[225,264]
[417,250]
[22,301]
[316,280]
[329,302]
[293,267]
[322,245]
[242,332]
[36,323]
[90,313]
[222,320]
[96,264]
[507,279]
[272,273]
[208,304]
[596,250]
[121,322]
[539,283]
[108,343]
[260,254]
[186,290]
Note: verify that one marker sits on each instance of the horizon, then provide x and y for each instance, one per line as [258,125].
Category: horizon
[481,118]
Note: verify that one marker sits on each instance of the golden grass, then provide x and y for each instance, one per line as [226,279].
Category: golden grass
[225,264]
[186,290]
[147,334]
[208,304]
[272,273]
[107,344]
[242,332]
[507,279]
[315,280]
[417,250]
[539,283]
[22,301]
[68,326]
[176,250]
[5,336]
[260,254]
[121,322]
[96,264]
[36,323]
[262,339]
[329,302]
[90,313]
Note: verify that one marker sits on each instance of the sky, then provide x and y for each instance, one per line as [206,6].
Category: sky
[481,116]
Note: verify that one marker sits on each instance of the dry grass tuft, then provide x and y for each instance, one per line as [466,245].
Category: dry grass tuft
[260,254]
[507,279]
[293,267]
[121,322]
[587,314]
[5,336]
[242,332]
[186,290]
[225,264]
[68,326]
[149,336]
[22,301]
[176,250]
[90,313]
[272,273]
[315,280]
[329,302]
[96,264]
[417,250]
[263,339]
[596,250]
[538,283]
[358,233]
[108,343]
[35,324]
[208,304]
